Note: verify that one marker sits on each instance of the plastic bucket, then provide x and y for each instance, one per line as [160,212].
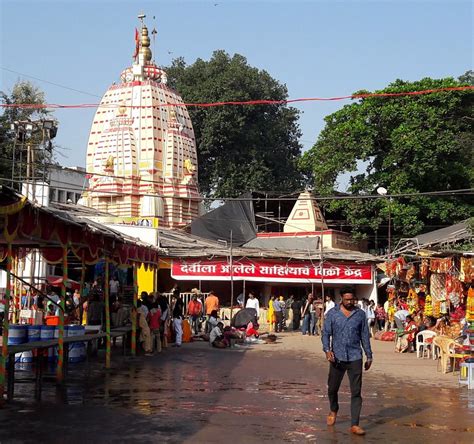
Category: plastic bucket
[17,334]
[77,350]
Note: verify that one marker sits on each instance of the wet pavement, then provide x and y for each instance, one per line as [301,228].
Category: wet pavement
[197,394]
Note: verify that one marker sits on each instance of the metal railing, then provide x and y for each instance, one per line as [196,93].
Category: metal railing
[186,297]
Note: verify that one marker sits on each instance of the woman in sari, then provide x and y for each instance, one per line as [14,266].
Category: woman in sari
[270,314]
[406,337]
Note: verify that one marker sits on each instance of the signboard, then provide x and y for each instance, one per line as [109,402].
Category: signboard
[272,271]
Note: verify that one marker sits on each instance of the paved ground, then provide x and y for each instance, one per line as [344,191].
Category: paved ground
[271,392]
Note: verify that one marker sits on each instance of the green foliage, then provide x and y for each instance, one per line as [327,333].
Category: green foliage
[240,148]
[23,92]
[408,144]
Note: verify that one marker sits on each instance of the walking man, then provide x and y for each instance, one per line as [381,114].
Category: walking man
[345,331]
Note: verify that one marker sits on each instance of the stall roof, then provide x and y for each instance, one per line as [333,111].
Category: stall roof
[180,244]
[437,239]
[26,224]
[175,243]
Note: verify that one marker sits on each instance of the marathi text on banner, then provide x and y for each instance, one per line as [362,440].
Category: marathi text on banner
[276,271]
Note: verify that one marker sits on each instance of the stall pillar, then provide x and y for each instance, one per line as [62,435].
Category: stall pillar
[133,345]
[107,315]
[4,357]
[62,308]
[81,290]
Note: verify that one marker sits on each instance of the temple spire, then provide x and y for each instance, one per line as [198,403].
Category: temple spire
[145,51]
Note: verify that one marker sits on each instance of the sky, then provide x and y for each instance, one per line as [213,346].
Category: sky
[316,48]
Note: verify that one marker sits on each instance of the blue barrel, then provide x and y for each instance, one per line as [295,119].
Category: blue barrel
[34,333]
[47,333]
[17,334]
[77,350]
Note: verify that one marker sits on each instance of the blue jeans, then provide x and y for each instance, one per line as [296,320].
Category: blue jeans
[306,324]
[312,324]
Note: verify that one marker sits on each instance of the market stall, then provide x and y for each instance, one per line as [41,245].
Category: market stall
[26,226]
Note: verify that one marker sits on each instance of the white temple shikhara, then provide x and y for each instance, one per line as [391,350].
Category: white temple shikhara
[141,154]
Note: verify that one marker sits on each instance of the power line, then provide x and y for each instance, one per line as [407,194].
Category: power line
[461,192]
[51,83]
[89,175]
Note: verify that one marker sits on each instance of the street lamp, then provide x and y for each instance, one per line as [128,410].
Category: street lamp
[383,192]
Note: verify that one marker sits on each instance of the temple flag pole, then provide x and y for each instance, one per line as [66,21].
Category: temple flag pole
[133,345]
[6,304]
[62,305]
[107,315]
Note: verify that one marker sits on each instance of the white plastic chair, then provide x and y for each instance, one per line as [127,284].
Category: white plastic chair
[423,348]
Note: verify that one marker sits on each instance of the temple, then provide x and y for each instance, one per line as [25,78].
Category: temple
[141,153]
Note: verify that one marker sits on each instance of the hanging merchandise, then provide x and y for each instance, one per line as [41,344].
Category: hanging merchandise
[428,306]
[453,289]
[400,263]
[443,307]
[441,265]
[391,292]
[438,286]
[470,305]
[391,312]
[454,299]
[436,309]
[466,272]
[394,268]
[458,314]
[424,269]
[412,300]
[411,273]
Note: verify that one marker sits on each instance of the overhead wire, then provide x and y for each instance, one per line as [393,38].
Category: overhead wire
[467,191]
[49,82]
[237,102]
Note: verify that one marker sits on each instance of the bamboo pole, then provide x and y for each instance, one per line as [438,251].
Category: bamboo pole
[321,263]
[62,305]
[6,304]
[107,315]
[133,345]
[81,289]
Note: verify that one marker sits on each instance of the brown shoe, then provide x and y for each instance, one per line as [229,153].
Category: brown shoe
[331,418]
[356,430]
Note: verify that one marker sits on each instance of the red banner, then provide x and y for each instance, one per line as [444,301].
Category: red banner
[270,271]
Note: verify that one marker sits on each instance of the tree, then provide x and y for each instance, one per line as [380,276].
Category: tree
[408,144]
[13,143]
[240,148]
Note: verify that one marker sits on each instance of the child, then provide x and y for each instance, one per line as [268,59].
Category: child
[154,321]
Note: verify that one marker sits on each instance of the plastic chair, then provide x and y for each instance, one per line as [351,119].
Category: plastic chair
[425,348]
[442,342]
[466,373]
[448,355]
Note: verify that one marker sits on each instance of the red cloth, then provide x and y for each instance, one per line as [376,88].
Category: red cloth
[155,319]
[194,308]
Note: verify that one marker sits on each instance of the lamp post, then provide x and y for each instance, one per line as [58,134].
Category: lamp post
[231,271]
[383,192]
[23,133]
